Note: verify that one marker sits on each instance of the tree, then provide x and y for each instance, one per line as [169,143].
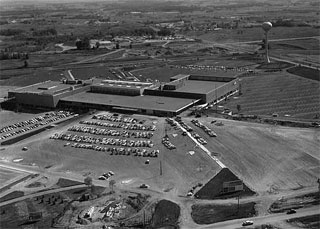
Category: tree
[97,44]
[88,181]
[83,44]
[238,107]
[112,183]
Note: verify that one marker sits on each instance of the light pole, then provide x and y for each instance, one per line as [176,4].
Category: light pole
[266,26]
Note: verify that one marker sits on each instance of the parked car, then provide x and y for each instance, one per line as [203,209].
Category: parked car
[291,211]
[247,223]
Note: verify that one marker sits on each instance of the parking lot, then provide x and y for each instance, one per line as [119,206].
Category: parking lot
[17,129]
[120,135]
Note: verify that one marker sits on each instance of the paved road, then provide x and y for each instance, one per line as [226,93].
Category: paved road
[259,220]
[202,147]
[292,62]
[94,58]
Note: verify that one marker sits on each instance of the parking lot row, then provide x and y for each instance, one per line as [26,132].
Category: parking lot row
[51,117]
[104,141]
[209,67]
[125,126]
[206,129]
[118,151]
[167,143]
[111,132]
[33,126]
[115,118]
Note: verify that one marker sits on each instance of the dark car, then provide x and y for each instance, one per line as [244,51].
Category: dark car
[291,211]
[144,186]
[247,223]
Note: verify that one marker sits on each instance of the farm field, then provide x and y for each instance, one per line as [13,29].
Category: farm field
[256,33]
[90,72]
[163,74]
[281,93]
[303,51]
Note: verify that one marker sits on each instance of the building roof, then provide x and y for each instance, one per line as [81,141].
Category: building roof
[47,87]
[138,102]
[198,86]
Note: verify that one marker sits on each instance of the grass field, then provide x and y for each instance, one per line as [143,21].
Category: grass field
[281,93]
[11,195]
[310,222]
[284,204]
[209,213]
[302,51]
[308,73]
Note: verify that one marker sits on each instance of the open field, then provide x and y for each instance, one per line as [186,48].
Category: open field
[268,158]
[7,175]
[280,93]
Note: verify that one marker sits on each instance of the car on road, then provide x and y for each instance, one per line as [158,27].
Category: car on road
[291,211]
[144,186]
[247,223]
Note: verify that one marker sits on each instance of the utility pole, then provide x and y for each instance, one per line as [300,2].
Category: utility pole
[238,203]
[160,168]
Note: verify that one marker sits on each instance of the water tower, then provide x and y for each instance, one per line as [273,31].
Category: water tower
[266,26]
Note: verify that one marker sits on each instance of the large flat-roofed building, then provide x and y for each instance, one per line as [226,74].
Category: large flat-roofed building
[207,89]
[45,94]
[168,99]
[143,104]
[120,87]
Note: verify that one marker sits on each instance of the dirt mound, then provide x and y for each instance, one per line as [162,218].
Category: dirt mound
[214,188]
[166,215]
